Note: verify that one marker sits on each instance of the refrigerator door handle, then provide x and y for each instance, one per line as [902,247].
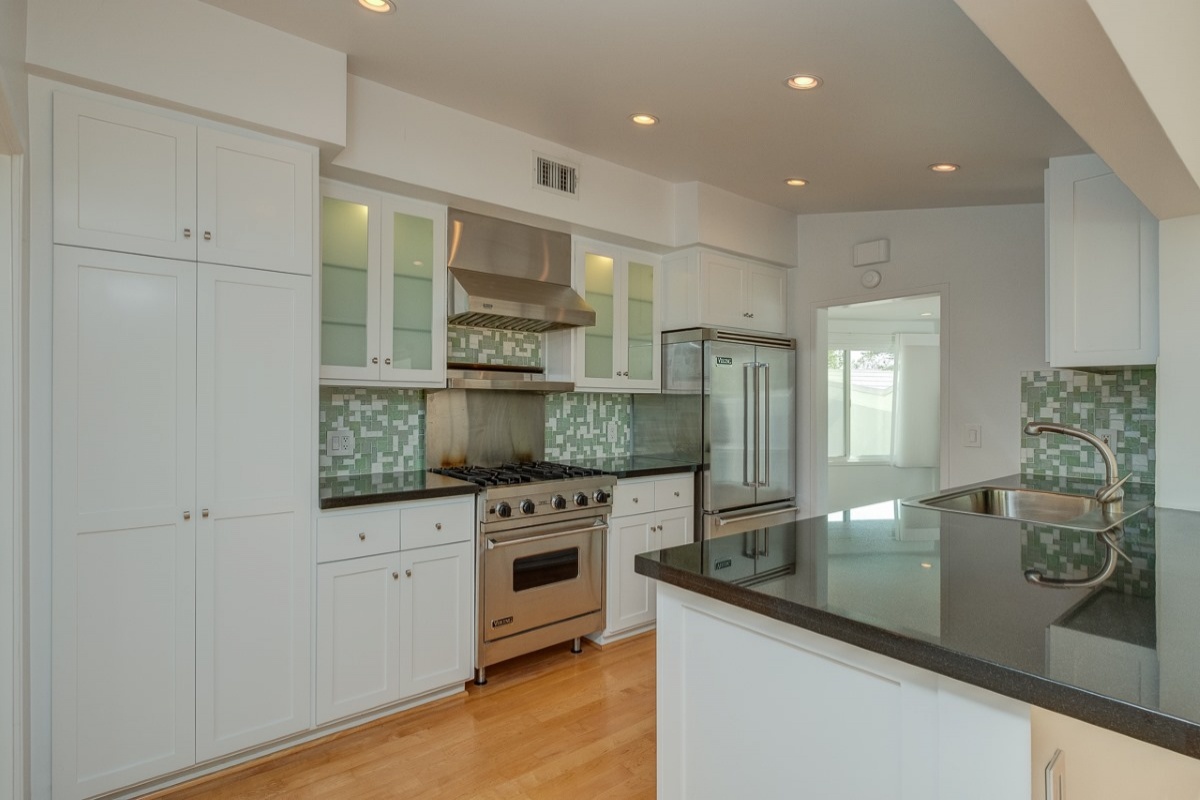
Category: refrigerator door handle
[757,423]
[746,424]
[766,450]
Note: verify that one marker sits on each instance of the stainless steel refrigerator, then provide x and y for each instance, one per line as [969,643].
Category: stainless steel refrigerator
[728,402]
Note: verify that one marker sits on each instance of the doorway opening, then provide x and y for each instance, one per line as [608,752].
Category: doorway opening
[883,400]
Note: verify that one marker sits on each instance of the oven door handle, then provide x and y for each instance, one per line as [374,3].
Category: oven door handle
[492,544]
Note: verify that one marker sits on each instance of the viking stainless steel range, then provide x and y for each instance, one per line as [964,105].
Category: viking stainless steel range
[540,556]
[540,547]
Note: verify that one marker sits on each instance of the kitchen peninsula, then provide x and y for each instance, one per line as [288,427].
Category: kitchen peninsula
[888,651]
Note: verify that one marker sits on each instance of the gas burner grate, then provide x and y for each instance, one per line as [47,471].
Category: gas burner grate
[517,472]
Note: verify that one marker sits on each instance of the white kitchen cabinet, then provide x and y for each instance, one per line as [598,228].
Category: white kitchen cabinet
[621,351]
[850,722]
[358,635]
[182,489]
[124,484]
[254,395]
[648,514]
[395,603]
[383,289]
[436,631]
[132,180]
[1101,268]
[704,287]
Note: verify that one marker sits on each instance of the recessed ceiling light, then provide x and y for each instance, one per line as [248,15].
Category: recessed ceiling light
[796,182]
[803,82]
[944,167]
[378,6]
[644,119]
[926,565]
[926,313]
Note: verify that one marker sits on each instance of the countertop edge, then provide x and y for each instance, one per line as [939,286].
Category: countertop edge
[398,496]
[1147,725]
[645,472]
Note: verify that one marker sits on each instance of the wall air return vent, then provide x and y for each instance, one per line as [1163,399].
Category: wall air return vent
[555,176]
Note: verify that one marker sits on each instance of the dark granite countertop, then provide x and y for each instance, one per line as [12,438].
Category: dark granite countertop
[946,592]
[636,466]
[388,487]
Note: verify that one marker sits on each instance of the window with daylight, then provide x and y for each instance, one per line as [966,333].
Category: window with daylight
[862,384]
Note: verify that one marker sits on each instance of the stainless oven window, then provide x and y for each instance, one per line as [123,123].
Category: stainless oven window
[544,569]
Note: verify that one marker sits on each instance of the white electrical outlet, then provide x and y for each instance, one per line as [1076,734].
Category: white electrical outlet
[612,433]
[340,443]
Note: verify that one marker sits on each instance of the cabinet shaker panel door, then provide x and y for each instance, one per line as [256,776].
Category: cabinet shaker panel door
[123,179]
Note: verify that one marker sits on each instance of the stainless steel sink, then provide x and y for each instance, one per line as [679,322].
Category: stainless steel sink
[1081,512]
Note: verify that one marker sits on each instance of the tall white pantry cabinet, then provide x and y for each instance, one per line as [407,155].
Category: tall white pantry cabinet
[183,377]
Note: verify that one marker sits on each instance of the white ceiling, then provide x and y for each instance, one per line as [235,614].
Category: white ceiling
[907,83]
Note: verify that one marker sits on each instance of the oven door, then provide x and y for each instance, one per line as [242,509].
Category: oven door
[542,574]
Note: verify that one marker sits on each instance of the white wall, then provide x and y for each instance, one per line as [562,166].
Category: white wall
[707,215]
[10,706]
[414,141]
[14,123]
[852,485]
[1177,439]
[192,55]
[988,263]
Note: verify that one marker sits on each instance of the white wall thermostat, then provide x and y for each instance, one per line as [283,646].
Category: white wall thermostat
[871,278]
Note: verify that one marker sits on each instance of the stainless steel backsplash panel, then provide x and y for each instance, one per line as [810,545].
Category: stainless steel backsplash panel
[483,428]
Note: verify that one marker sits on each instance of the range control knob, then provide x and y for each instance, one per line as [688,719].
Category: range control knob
[558,502]
[526,506]
[581,499]
[504,509]
[601,496]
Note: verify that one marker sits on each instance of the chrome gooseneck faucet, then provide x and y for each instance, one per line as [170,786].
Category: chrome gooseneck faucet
[1111,492]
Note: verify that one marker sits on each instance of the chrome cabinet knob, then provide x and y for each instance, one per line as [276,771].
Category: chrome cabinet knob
[208,236]
[362,537]
[408,573]
[387,361]
[187,515]
[187,233]
[677,494]
[395,576]
[437,526]
[375,360]
[204,513]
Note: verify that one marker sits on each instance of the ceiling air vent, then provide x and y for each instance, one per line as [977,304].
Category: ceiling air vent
[555,176]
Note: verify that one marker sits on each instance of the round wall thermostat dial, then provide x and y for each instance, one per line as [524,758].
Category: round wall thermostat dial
[871,278]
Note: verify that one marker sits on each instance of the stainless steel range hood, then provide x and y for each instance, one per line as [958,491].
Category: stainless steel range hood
[510,276]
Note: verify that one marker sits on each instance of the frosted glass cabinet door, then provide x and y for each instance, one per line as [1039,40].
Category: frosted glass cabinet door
[123,179]
[349,284]
[599,288]
[641,329]
[123,597]
[413,293]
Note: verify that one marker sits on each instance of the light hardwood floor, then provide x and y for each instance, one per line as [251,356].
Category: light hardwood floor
[547,725]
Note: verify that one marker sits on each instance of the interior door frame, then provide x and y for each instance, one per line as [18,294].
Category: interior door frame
[12,628]
[816,476]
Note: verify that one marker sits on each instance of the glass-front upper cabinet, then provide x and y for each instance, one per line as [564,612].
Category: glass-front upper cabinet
[620,352]
[383,289]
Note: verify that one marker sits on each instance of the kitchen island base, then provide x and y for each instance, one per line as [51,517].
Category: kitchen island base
[749,706]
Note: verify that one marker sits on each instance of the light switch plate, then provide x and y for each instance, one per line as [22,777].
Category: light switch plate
[340,443]
[972,435]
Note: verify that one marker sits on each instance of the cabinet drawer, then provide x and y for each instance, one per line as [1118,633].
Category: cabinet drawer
[673,493]
[633,498]
[443,523]
[363,534]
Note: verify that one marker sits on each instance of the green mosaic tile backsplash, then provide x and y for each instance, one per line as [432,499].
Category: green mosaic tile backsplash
[388,427]
[577,425]
[484,346]
[1119,405]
